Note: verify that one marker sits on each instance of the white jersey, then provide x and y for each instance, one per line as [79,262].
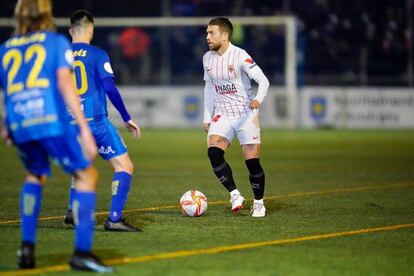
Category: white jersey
[230,76]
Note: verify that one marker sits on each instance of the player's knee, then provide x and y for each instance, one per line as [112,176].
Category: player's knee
[254,166]
[37,179]
[87,179]
[216,156]
[127,166]
[122,163]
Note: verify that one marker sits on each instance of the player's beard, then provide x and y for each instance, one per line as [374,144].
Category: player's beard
[214,46]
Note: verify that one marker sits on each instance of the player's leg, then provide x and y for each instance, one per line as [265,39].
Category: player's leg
[34,158]
[219,136]
[68,153]
[68,218]
[248,133]
[121,183]
[113,149]
[251,154]
[84,204]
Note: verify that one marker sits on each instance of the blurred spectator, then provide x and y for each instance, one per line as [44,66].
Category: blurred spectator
[135,43]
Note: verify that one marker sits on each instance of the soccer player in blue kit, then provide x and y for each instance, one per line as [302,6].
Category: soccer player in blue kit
[36,74]
[94,81]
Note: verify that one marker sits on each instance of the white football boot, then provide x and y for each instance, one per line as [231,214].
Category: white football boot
[258,210]
[237,202]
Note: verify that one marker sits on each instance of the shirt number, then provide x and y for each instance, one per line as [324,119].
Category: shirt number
[83,78]
[17,58]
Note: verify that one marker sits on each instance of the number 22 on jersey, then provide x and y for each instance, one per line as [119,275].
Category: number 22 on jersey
[17,58]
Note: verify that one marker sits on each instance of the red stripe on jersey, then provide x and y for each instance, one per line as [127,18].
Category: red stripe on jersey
[211,67]
[222,73]
[228,66]
[217,67]
[234,66]
[238,57]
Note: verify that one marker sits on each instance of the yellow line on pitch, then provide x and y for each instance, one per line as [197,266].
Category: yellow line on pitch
[218,202]
[215,250]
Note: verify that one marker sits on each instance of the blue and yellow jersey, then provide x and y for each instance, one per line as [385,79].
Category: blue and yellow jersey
[91,66]
[28,73]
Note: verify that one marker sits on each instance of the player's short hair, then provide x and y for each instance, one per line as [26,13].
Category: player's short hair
[224,25]
[80,18]
[33,15]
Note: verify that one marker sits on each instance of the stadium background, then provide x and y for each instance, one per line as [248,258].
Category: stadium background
[354,59]
[352,42]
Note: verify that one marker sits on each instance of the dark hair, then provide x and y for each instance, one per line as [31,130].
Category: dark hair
[81,17]
[33,15]
[224,25]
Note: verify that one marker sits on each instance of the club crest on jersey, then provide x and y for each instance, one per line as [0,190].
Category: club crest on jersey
[225,89]
[231,68]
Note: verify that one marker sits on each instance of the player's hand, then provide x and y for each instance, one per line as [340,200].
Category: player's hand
[4,134]
[254,104]
[133,128]
[206,126]
[88,143]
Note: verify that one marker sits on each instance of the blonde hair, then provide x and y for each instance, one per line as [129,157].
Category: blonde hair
[33,15]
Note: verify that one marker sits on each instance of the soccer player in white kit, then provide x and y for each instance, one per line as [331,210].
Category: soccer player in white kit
[231,109]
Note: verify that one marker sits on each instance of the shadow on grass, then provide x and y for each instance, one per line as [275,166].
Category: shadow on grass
[62,258]
[271,208]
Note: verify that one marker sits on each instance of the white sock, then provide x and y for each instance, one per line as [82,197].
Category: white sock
[234,192]
[258,201]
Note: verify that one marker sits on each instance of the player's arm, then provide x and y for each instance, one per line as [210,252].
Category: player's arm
[208,104]
[263,86]
[254,72]
[116,99]
[4,133]
[67,90]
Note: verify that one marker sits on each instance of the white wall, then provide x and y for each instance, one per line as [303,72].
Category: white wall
[182,106]
[357,107]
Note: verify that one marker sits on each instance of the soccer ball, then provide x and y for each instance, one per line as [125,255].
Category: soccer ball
[193,203]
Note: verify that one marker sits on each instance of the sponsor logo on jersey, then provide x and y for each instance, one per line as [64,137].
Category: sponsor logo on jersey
[225,89]
[107,150]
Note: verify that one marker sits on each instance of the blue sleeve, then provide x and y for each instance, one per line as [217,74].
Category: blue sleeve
[1,69]
[103,65]
[115,97]
[64,52]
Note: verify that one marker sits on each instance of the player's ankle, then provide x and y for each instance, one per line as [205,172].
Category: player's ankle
[234,192]
[258,201]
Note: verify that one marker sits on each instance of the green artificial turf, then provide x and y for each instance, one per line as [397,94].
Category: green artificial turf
[317,182]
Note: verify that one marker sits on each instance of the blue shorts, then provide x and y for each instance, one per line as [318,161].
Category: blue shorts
[63,150]
[108,140]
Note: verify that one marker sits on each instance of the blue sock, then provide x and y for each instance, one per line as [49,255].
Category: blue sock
[71,194]
[121,182]
[83,207]
[30,203]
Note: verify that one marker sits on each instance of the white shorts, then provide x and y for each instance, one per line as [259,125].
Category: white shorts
[247,129]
